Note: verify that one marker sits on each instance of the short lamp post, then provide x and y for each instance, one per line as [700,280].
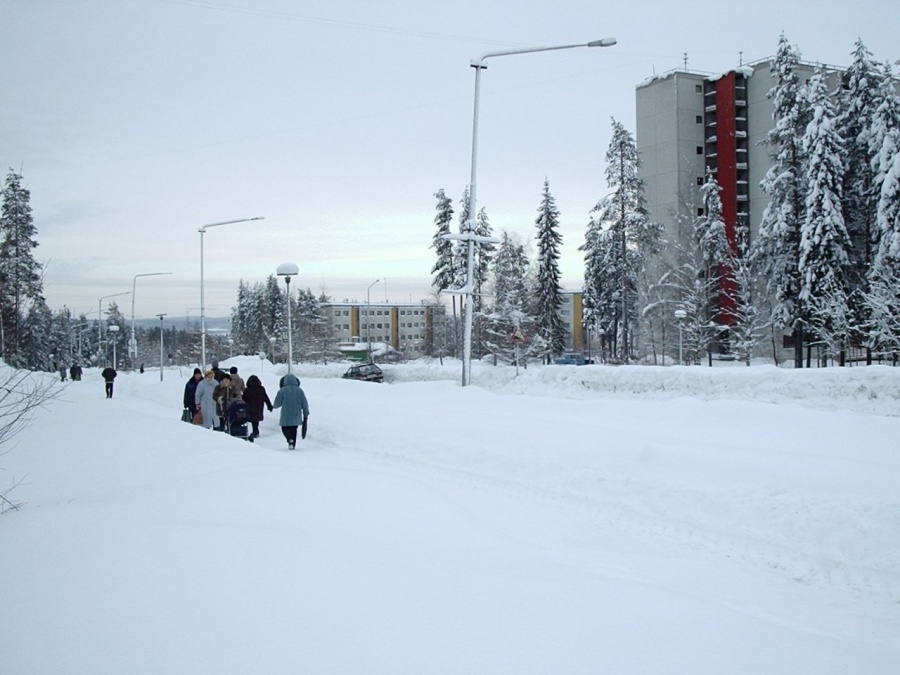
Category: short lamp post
[369,321]
[602,333]
[680,314]
[288,270]
[160,346]
[114,329]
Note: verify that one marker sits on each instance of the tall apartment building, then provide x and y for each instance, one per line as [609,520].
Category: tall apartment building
[689,123]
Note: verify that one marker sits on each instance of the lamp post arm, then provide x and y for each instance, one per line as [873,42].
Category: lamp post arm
[202,228]
[479,63]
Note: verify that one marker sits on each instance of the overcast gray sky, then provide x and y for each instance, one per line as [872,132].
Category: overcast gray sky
[134,123]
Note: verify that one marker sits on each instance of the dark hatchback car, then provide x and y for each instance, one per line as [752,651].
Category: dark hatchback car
[367,372]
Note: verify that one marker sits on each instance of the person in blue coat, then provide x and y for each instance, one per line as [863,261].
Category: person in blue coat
[294,408]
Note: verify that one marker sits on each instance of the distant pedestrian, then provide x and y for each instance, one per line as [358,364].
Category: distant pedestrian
[237,382]
[294,408]
[218,373]
[256,398]
[142,369]
[109,375]
[62,372]
[203,399]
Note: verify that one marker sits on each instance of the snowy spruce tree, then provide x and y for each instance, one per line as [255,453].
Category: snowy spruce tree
[824,243]
[443,267]
[619,238]
[510,312]
[883,297]
[602,299]
[483,254]
[548,291]
[778,242]
[20,274]
[856,123]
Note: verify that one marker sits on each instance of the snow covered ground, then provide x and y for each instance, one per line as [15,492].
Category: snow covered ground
[570,520]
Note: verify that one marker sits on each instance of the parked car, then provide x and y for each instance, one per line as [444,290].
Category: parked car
[366,372]
[571,359]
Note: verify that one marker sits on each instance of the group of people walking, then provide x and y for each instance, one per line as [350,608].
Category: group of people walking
[210,393]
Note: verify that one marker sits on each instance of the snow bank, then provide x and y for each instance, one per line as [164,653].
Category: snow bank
[873,389]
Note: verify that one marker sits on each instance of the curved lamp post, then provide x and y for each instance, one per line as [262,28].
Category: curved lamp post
[288,270]
[202,230]
[469,236]
[132,344]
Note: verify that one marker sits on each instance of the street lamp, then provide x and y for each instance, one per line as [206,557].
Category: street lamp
[132,344]
[680,314]
[114,329]
[602,345]
[202,231]
[288,270]
[100,316]
[469,236]
[160,346]
[368,321]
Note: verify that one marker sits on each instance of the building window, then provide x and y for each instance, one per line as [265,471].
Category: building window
[698,88]
[699,119]
[700,211]
[699,149]
[700,180]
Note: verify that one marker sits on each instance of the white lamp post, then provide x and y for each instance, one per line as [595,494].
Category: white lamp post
[680,314]
[161,346]
[114,329]
[100,316]
[368,321]
[202,230]
[469,236]
[288,270]
[132,344]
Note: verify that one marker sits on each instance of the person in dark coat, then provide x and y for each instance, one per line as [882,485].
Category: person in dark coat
[109,375]
[218,373]
[223,395]
[294,408]
[256,398]
[190,391]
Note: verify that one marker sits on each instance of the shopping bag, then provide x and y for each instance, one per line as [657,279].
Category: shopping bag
[185,415]
[198,417]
